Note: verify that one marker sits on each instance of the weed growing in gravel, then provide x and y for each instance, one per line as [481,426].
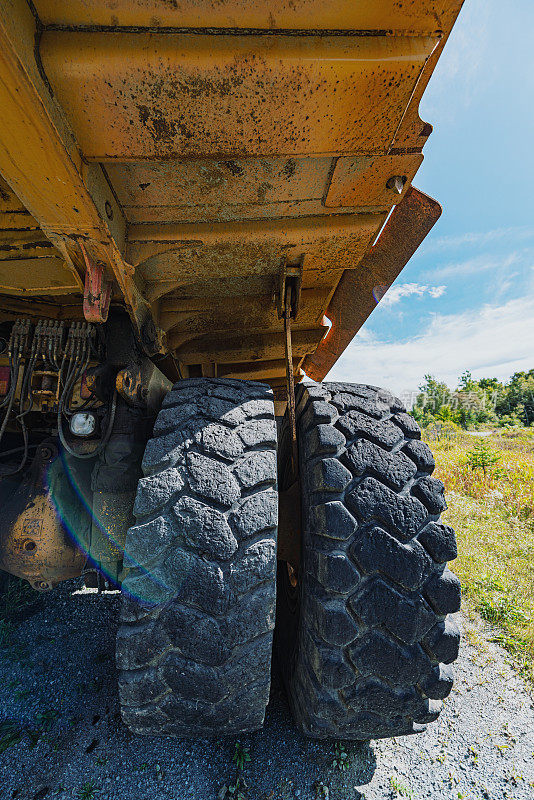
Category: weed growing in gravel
[398,788]
[6,630]
[236,791]
[284,791]
[341,757]
[241,756]
[54,744]
[47,718]
[12,732]
[473,755]
[493,514]
[87,791]
[16,597]
[322,792]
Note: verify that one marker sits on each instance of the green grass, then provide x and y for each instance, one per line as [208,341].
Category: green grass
[493,514]
[241,756]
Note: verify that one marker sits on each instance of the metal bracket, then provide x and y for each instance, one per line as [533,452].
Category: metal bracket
[97,291]
[290,275]
[290,383]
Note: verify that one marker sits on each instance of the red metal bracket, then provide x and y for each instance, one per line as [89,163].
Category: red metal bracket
[97,291]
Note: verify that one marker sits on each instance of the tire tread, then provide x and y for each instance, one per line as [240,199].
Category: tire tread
[374,588]
[194,645]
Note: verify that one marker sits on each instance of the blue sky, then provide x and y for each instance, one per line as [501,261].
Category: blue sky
[466,299]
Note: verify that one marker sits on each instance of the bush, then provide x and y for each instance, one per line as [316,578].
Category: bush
[482,456]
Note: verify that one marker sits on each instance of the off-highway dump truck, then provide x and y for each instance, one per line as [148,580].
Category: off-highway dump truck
[201,203]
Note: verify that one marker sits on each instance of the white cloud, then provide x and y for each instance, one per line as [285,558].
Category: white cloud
[395,293]
[477,238]
[493,341]
[471,266]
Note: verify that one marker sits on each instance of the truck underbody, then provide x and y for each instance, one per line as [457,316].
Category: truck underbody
[200,205]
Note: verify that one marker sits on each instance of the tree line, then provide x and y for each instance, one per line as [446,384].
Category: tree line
[486,401]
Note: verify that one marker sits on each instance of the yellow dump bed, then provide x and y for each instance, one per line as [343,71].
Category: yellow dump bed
[193,151]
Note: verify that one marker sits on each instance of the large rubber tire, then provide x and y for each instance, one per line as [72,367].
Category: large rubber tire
[364,640]
[194,647]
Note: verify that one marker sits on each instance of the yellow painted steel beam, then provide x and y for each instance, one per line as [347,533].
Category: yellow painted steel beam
[218,314]
[184,253]
[252,181]
[40,161]
[253,347]
[259,370]
[68,308]
[211,190]
[47,275]
[410,16]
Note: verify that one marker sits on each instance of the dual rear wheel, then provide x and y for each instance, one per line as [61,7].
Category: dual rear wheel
[362,636]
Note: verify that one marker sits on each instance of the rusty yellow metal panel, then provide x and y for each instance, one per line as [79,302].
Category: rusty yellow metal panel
[253,181]
[369,180]
[254,347]
[419,16]
[185,253]
[259,370]
[208,315]
[37,276]
[356,293]
[244,287]
[9,202]
[134,96]
[40,160]
[29,263]
[204,190]
[24,244]
[228,211]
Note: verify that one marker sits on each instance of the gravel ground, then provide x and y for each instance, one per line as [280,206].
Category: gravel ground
[58,683]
